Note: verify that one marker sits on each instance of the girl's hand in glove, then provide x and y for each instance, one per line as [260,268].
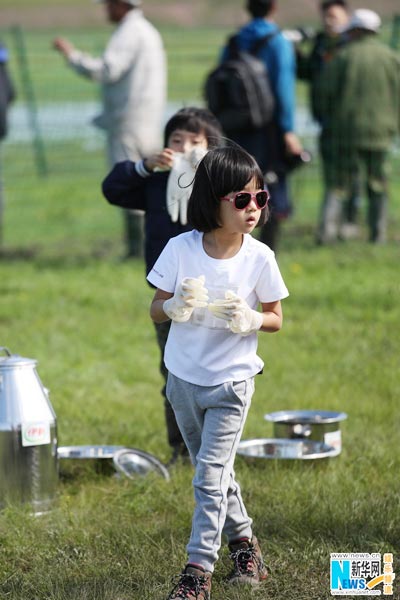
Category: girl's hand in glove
[241,318]
[189,294]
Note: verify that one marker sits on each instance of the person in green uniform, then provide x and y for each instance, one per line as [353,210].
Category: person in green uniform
[360,104]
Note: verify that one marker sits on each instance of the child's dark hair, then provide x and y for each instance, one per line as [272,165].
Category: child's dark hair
[222,170]
[325,4]
[260,8]
[195,120]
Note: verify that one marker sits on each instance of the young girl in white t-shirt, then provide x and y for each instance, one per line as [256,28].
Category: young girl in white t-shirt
[210,282]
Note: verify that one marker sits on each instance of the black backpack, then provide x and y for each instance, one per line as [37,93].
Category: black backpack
[238,91]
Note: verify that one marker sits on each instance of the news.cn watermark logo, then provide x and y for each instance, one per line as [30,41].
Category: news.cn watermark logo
[361,574]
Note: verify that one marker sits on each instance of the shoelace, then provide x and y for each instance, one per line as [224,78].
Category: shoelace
[189,584]
[246,561]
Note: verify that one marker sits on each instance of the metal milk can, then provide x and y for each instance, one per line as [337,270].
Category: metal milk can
[28,436]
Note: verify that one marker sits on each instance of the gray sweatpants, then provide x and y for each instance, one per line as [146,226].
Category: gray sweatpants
[211,420]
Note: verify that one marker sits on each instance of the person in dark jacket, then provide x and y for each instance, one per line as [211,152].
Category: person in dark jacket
[152,185]
[335,15]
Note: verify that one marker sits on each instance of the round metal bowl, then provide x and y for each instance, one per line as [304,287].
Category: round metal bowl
[279,448]
[306,416]
[318,425]
[87,452]
[76,458]
[133,463]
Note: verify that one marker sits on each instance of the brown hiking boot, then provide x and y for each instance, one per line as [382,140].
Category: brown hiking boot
[194,584]
[248,562]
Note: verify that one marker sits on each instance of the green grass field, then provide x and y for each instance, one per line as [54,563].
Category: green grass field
[67,300]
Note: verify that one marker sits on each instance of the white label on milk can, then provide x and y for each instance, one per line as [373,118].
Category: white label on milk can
[35,434]
[334,439]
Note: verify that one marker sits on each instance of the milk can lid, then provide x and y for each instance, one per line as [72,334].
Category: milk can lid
[14,360]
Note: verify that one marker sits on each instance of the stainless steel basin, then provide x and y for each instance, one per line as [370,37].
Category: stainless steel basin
[278,448]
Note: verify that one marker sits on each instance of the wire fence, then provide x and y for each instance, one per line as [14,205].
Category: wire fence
[50,131]
[50,124]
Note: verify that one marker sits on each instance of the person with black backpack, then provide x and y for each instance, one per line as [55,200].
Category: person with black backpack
[252,93]
[7,92]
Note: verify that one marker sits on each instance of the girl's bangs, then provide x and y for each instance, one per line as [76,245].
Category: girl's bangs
[236,179]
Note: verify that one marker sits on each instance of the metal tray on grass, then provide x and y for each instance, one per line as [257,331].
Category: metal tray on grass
[130,462]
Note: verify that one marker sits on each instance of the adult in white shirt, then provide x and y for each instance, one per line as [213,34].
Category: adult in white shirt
[132,74]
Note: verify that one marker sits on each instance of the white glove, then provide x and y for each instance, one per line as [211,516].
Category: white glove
[180,183]
[189,294]
[241,318]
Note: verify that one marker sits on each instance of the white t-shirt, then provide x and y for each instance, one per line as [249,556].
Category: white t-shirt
[204,351]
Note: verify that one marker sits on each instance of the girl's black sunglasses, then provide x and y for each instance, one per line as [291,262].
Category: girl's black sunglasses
[241,200]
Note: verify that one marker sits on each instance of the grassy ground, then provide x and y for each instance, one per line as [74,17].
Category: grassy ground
[68,301]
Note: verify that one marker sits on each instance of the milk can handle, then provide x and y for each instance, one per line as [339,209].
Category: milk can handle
[6,350]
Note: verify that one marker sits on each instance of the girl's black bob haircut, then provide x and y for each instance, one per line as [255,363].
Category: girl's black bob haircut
[195,120]
[222,170]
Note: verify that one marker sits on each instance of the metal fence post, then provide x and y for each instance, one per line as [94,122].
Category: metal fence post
[1,200]
[28,91]
[395,39]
